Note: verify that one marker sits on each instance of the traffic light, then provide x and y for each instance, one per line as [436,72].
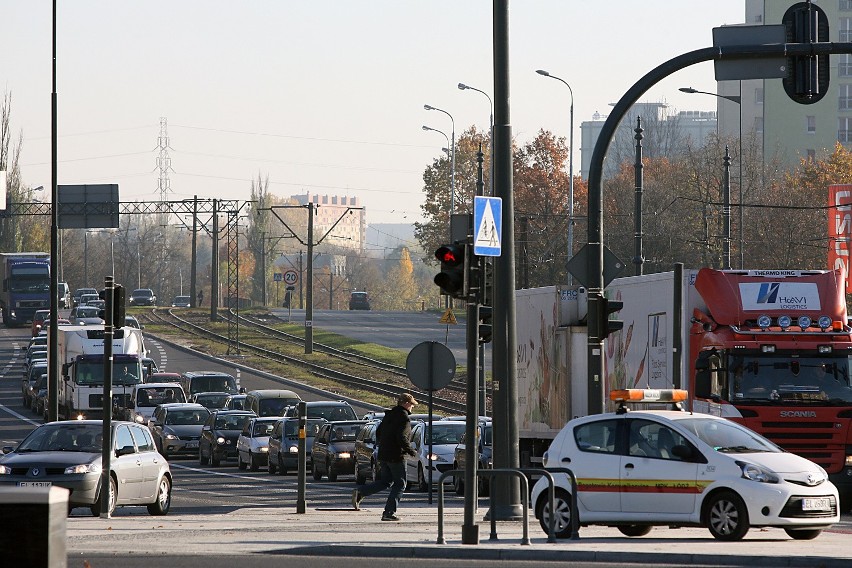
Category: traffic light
[607,307]
[451,279]
[484,328]
[807,75]
[118,299]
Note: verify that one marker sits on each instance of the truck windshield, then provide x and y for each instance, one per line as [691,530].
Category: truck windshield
[779,379]
[29,280]
[123,373]
[214,383]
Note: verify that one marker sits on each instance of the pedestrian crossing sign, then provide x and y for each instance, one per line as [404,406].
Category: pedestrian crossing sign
[449,317]
[487,225]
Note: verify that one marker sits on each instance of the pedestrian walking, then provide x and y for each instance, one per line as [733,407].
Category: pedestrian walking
[200,297]
[392,436]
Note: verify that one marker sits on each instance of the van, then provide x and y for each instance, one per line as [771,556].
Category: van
[359,301]
[64,295]
[208,381]
[270,402]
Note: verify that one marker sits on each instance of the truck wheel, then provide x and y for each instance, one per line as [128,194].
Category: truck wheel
[164,498]
[727,516]
[562,502]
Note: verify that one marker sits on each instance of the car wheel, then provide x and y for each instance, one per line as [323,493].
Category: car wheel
[727,517]
[562,507]
[422,484]
[458,481]
[253,463]
[113,499]
[634,530]
[316,473]
[164,498]
[806,534]
[240,463]
[201,458]
[329,470]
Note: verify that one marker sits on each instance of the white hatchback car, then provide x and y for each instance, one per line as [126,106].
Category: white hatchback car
[444,437]
[642,468]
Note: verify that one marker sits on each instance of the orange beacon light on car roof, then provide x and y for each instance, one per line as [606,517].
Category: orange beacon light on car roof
[648,395]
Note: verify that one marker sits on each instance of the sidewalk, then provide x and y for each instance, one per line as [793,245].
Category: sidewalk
[342,532]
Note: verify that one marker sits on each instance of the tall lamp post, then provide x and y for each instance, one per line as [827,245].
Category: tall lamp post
[464,87]
[452,160]
[739,100]
[428,128]
[544,73]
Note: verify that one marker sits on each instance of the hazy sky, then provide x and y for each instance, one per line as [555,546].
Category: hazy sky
[321,96]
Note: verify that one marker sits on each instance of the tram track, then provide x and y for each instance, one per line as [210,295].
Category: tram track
[391,380]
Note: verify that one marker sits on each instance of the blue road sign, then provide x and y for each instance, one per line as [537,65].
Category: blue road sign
[487,225]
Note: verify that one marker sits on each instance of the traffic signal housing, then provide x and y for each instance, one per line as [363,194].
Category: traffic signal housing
[119,296]
[607,326]
[451,279]
[807,75]
[484,327]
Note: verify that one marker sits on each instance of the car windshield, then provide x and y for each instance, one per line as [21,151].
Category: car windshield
[87,312]
[142,293]
[186,417]
[263,428]
[153,396]
[212,400]
[312,426]
[345,432]
[448,433]
[214,383]
[66,437]
[232,422]
[728,437]
[275,406]
[332,413]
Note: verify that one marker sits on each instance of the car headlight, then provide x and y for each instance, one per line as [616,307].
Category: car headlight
[220,440]
[293,449]
[171,437]
[5,470]
[84,468]
[757,473]
[344,455]
[264,449]
[545,459]
[140,419]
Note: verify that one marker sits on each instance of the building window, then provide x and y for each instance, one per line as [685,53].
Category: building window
[844,66]
[758,95]
[811,155]
[758,124]
[811,124]
[845,5]
[844,129]
[845,32]
[845,100]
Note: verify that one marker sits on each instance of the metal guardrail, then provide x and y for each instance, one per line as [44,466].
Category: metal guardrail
[521,473]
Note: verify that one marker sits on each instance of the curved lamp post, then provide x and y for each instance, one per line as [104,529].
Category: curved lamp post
[739,100]
[452,159]
[464,87]
[544,73]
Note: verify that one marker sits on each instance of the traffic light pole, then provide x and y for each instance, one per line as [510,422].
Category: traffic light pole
[595,213]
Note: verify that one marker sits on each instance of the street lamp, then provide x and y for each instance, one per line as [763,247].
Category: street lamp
[739,100]
[463,87]
[452,159]
[544,73]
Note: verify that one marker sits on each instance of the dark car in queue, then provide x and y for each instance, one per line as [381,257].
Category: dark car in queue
[208,381]
[235,402]
[219,435]
[31,376]
[211,400]
[284,444]
[176,427]
[68,454]
[332,454]
[253,443]
[366,453]
[330,410]
[484,456]
[142,297]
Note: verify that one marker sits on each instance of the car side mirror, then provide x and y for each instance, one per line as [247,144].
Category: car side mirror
[125,450]
[7,449]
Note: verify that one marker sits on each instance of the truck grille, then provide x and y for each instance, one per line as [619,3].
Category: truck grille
[820,442]
[97,400]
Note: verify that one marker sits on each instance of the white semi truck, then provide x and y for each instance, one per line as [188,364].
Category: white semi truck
[81,356]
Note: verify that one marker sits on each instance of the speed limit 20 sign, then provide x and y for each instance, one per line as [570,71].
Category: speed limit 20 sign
[291,276]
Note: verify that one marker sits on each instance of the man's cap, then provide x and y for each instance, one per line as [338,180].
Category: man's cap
[406,398]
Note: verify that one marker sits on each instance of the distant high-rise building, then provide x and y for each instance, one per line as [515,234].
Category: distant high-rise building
[345,214]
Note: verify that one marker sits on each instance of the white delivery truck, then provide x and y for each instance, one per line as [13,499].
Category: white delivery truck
[81,356]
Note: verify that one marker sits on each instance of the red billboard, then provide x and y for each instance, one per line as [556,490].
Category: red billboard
[840,228]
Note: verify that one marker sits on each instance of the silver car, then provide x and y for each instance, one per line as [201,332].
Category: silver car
[253,443]
[68,454]
[177,427]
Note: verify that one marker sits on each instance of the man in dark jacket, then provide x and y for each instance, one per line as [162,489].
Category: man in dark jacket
[392,436]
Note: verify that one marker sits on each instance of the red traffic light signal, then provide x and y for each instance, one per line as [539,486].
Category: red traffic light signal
[451,279]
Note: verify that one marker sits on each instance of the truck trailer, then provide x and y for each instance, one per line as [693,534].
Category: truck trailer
[767,348]
[81,356]
[26,286]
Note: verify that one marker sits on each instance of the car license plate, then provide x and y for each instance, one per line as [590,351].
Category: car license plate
[192,444]
[816,504]
[34,484]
